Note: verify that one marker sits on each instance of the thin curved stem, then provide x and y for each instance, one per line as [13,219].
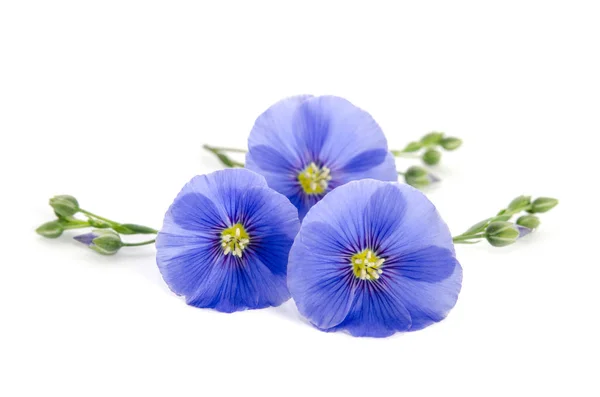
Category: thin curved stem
[139,244]
[98,217]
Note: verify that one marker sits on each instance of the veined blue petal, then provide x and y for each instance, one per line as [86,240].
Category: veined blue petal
[334,131]
[321,284]
[412,280]
[274,129]
[235,286]
[431,264]
[429,303]
[385,171]
[195,259]
[376,311]
[326,131]
[403,221]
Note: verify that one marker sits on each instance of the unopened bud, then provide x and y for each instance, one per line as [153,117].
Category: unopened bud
[529,221]
[106,242]
[419,177]
[500,234]
[450,143]
[64,205]
[543,204]
[412,147]
[432,157]
[433,138]
[519,202]
[51,229]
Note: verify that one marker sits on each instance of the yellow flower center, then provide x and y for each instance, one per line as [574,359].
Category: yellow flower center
[234,240]
[366,265]
[314,179]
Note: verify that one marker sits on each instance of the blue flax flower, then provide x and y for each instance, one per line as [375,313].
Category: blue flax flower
[225,241]
[374,258]
[306,146]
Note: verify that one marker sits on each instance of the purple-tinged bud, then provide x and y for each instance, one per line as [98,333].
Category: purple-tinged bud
[105,242]
[500,234]
[419,177]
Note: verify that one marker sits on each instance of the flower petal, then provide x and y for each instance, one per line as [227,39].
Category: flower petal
[320,274]
[402,221]
[189,252]
[274,129]
[334,131]
[376,312]
[430,303]
[235,285]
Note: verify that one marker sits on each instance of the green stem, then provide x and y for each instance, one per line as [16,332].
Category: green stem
[139,244]
[402,153]
[225,160]
[464,237]
[98,217]
[119,227]
[224,149]
[77,226]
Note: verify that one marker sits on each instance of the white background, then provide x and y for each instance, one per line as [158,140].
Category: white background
[111,102]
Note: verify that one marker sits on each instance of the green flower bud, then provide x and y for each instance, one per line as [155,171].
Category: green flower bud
[500,234]
[543,204]
[529,221]
[103,241]
[412,147]
[51,229]
[520,203]
[450,143]
[419,177]
[64,205]
[432,157]
[431,139]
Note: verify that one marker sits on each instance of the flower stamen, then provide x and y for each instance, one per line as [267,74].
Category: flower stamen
[234,240]
[314,179]
[366,265]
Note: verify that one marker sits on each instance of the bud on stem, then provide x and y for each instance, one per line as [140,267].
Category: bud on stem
[64,205]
